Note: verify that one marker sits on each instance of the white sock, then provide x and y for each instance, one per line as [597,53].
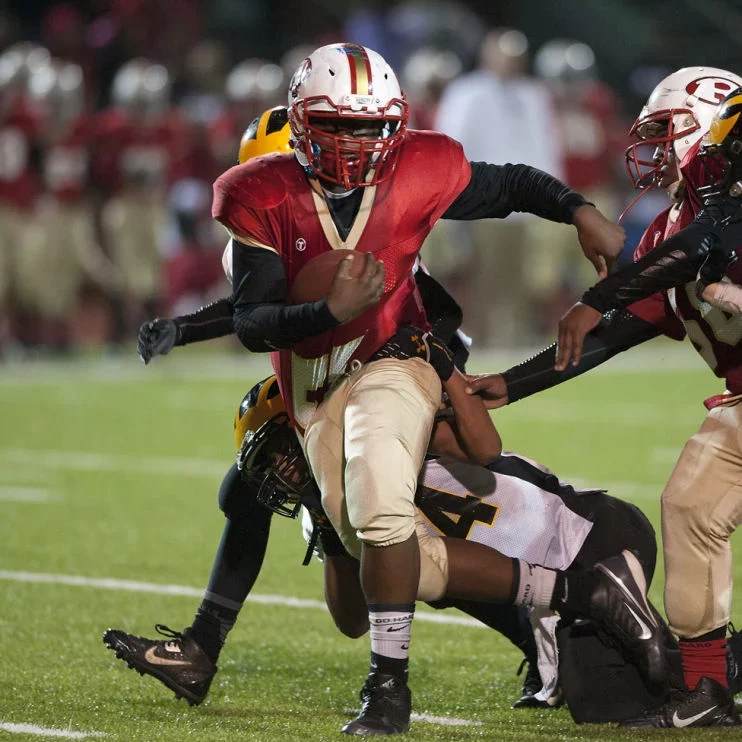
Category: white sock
[535,585]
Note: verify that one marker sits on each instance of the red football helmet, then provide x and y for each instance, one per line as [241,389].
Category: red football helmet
[677,114]
[348,115]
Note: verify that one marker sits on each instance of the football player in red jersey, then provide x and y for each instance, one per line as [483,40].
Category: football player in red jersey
[360,179]
[702,501]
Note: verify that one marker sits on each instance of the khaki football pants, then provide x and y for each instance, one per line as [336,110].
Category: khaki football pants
[13,224]
[133,226]
[60,253]
[701,507]
[365,445]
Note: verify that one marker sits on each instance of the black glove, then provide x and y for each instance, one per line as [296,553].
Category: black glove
[156,337]
[714,268]
[409,342]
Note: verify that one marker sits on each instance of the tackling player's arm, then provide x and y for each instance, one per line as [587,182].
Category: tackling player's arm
[674,262]
[495,191]
[470,435]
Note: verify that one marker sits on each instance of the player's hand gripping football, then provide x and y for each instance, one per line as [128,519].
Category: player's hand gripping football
[490,387]
[602,240]
[156,337]
[573,327]
[348,296]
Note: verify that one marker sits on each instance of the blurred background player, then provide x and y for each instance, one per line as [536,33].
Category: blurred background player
[19,184]
[61,251]
[501,114]
[139,142]
[591,132]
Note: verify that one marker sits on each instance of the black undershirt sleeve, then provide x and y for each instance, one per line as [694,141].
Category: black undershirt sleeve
[495,191]
[674,262]
[262,320]
[617,331]
[209,322]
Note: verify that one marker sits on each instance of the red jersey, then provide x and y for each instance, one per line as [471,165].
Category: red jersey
[130,152]
[67,161]
[270,202]
[19,134]
[590,136]
[716,335]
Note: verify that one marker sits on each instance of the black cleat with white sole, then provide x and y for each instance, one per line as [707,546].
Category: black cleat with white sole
[178,662]
[386,709]
[619,604]
[709,705]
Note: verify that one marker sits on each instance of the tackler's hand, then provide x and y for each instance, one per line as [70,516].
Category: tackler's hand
[573,327]
[156,337]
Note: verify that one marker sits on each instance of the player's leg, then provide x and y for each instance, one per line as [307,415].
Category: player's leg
[186,662]
[613,593]
[701,507]
[387,423]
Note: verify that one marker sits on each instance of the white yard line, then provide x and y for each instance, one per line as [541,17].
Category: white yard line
[96,462]
[39,731]
[192,592]
[27,494]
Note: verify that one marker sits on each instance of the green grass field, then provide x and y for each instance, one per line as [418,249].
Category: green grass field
[108,480]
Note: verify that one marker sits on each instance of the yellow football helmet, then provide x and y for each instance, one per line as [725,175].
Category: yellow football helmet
[270,459]
[269,132]
[259,405]
[722,147]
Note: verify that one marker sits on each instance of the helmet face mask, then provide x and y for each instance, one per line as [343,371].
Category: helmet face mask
[272,462]
[656,134]
[348,115]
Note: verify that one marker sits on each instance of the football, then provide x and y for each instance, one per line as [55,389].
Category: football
[315,278]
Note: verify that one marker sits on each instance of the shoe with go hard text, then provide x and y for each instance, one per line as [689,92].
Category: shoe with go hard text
[709,705]
[386,709]
[619,604]
[178,662]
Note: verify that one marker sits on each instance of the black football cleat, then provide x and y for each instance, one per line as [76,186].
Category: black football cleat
[178,662]
[531,686]
[386,709]
[709,705]
[619,605]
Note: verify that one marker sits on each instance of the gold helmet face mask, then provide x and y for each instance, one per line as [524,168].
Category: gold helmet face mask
[269,132]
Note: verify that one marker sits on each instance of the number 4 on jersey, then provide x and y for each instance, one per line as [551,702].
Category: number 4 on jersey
[454,515]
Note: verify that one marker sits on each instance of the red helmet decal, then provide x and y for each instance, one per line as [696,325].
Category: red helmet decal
[710,90]
[299,78]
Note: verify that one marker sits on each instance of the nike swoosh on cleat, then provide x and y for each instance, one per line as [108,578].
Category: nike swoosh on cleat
[153,659]
[646,631]
[678,722]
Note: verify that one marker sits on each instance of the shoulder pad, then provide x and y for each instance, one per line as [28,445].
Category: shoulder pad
[258,183]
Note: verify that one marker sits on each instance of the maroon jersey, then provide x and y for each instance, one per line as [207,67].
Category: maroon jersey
[591,140]
[716,335]
[66,161]
[19,133]
[269,201]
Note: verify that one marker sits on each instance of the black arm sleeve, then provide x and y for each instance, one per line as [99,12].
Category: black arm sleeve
[212,321]
[497,190]
[672,263]
[617,331]
[262,319]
